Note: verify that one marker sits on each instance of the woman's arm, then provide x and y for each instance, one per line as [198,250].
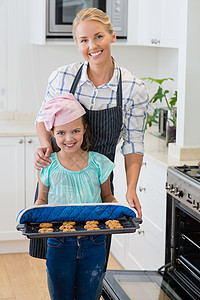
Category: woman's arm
[43,191]
[42,154]
[106,193]
[133,162]
[133,136]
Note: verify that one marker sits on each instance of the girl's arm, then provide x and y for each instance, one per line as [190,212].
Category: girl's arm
[42,192]
[133,162]
[106,194]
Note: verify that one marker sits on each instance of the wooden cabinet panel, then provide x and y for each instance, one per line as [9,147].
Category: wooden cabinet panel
[154,23]
[144,249]
[18,182]
[3,55]
[153,204]
[12,185]
[153,174]
[150,20]
[31,144]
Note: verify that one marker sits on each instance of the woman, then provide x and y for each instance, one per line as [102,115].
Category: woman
[115,101]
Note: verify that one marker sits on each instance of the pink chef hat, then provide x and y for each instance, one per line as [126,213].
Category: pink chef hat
[61,110]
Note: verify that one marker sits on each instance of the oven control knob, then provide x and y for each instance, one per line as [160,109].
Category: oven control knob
[172,188]
[194,205]
[181,194]
[167,186]
[178,193]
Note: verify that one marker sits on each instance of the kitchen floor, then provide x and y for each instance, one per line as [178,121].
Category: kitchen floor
[23,277]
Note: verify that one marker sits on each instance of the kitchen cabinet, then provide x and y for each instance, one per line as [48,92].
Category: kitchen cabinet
[3,51]
[12,185]
[150,23]
[18,181]
[31,143]
[154,23]
[143,249]
[9,40]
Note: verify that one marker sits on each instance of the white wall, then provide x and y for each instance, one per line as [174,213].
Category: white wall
[189,70]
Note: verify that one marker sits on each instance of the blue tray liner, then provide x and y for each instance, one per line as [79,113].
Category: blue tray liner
[79,213]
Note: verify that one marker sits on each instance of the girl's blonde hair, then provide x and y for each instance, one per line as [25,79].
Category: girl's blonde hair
[92,14]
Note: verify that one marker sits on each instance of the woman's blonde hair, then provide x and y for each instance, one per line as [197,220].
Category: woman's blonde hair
[92,14]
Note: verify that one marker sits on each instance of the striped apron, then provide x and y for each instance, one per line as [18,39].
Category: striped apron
[105,127]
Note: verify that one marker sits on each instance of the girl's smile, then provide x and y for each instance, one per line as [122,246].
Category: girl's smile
[69,137]
[70,145]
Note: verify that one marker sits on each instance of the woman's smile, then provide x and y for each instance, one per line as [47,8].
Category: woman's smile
[93,41]
[95,54]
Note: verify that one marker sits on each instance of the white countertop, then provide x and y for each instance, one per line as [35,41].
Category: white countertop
[155,148]
[17,128]
[154,145]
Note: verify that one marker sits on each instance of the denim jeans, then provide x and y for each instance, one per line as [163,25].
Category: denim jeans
[75,267]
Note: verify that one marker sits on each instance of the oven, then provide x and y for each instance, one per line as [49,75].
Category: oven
[61,13]
[179,278]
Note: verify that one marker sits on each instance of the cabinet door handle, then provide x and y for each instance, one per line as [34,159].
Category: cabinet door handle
[144,163]
[142,189]
[141,232]
[155,41]
[21,141]
[30,141]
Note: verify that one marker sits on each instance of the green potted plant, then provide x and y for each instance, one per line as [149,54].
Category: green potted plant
[162,95]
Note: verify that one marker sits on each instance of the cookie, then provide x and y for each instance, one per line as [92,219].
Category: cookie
[68,229]
[92,222]
[45,225]
[93,228]
[67,226]
[115,226]
[90,225]
[69,223]
[112,222]
[45,230]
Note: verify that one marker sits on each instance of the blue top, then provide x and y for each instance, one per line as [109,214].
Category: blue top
[83,186]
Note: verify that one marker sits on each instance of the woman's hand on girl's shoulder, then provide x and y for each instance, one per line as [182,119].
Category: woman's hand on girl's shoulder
[42,159]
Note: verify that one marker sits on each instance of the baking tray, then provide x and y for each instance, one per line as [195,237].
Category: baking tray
[129,224]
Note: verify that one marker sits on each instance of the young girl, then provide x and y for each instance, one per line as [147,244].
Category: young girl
[74,264]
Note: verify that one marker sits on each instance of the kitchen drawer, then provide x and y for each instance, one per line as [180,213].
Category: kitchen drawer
[146,248]
[153,204]
[154,175]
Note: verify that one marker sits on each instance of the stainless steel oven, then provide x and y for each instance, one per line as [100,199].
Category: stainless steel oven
[179,278]
[60,15]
